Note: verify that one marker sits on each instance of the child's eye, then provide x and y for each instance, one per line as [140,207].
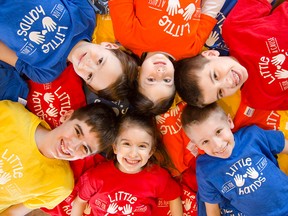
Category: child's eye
[126,144]
[205,142]
[89,76]
[220,93]
[77,132]
[99,61]
[86,149]
[143,146]
[167,80]
[218,131]
[215,76]
[150,79]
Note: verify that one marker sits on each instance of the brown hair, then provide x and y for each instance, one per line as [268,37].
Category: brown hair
[102,120]
[145,106]
[120,88]
[195,115]
[187,73]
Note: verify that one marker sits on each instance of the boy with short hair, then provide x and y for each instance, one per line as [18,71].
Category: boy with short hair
[34,167]
[240,168]
[257,39]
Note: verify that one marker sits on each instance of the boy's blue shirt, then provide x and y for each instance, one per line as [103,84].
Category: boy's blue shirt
[247,176]
[42,33]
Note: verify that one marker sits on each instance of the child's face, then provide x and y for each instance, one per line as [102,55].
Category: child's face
[156,77]
[96,64]
[221,77]
[213,136]
[133,148]
[72,140]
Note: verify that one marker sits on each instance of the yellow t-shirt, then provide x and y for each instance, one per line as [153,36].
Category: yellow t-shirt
[26,176]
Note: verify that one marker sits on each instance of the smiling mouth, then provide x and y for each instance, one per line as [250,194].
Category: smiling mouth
[223,150]
[82,58]
[132,162]
[159,63]
[236,78]
[63,150]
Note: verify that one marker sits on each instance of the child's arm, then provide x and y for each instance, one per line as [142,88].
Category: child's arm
[78,207]
[212,209]
[176,207]
[285,149]
[7,55]
[16,210]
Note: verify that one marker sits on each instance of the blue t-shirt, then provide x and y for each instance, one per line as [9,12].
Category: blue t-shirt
[42,33]
[250,178]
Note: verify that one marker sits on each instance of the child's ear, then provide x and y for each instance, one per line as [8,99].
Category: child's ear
[67,115]
[152,152]
[210,53]
[230,121]
[109,45]
[114,148]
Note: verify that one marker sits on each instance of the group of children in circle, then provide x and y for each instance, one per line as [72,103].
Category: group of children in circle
[149,77]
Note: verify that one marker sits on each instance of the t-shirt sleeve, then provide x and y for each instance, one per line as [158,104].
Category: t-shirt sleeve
[274,140]
[40,75]
[169,189]
[87,187]
[206,191]
[244,13]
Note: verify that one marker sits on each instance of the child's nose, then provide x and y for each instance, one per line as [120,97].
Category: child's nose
[133,152]
[76,148]
[218,143]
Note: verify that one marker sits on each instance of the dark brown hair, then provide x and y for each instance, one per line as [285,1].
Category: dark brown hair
[187,73]
[102,121]
[194,114]
[120,88]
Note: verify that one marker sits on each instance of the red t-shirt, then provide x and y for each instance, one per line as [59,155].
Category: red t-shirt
[52,100]
[257,38]
[110,190]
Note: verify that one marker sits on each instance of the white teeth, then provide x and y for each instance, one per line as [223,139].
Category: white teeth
[224,149]
[64,150]
[236,78]
[132,161]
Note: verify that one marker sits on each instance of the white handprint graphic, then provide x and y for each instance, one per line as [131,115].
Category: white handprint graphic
[187,204]
[112,209]
[252,173]
[37,37]
[172,7]
[48,24]
[278,59]
[4,178]
[239,180]
[213,37]
[49,97]
[189,10]
[160,119]
[127,209]
[52,112]
[281,74]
